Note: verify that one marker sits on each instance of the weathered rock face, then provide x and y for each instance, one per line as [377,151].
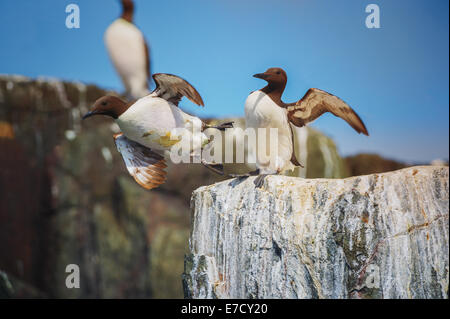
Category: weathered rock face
[65,197]
[376,236]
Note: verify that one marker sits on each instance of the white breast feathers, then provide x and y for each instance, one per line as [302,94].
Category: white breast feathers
[262,112]
[126,47]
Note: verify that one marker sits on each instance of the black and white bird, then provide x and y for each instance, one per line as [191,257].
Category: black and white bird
[129,52]
[147,125]
[265,109]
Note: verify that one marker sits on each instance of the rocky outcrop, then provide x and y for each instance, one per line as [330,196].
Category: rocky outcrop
[363,164]
[11,287]
[375,236]
[6,289]
[66,198]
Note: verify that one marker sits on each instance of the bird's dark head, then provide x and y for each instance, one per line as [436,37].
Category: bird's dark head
[107,105]
[127,5]
[127,10]
[274,76]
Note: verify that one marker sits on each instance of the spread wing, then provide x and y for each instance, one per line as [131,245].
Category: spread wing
[146,166]
[172,88]
[316,102]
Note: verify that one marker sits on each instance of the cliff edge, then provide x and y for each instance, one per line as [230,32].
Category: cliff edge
[375,236]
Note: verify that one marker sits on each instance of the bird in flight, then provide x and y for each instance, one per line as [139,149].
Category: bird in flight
[147,125]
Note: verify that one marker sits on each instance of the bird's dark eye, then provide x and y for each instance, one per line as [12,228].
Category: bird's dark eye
[104,103]
[278,72]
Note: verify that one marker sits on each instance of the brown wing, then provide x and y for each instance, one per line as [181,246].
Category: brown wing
[146,166]
[316,102]
[172,88]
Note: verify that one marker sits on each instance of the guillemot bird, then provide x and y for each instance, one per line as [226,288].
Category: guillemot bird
[147,125]
[265,109]
[129,52]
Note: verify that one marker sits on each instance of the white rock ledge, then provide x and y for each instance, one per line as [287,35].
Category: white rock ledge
[375,236]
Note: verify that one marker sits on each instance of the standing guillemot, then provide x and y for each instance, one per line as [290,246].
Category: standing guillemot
[129,52]
[265,109]
[147,126]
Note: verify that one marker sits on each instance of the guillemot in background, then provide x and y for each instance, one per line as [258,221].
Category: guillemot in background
[265,109]
[147,126]
[129,52]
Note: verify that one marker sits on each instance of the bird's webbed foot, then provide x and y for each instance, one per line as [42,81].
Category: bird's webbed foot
[259,181]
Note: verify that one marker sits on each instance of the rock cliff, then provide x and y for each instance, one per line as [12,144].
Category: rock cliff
[65,197]
[375,236]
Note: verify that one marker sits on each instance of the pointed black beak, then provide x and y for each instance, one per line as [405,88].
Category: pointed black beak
[262,76]
[89,114]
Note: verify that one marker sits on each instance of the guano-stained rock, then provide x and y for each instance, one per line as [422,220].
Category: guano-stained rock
[375,236]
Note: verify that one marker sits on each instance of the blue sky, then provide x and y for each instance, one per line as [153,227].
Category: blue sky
[395,77]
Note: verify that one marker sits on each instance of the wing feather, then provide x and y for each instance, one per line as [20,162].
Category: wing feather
[172,88]
[146,166]
[317,102]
